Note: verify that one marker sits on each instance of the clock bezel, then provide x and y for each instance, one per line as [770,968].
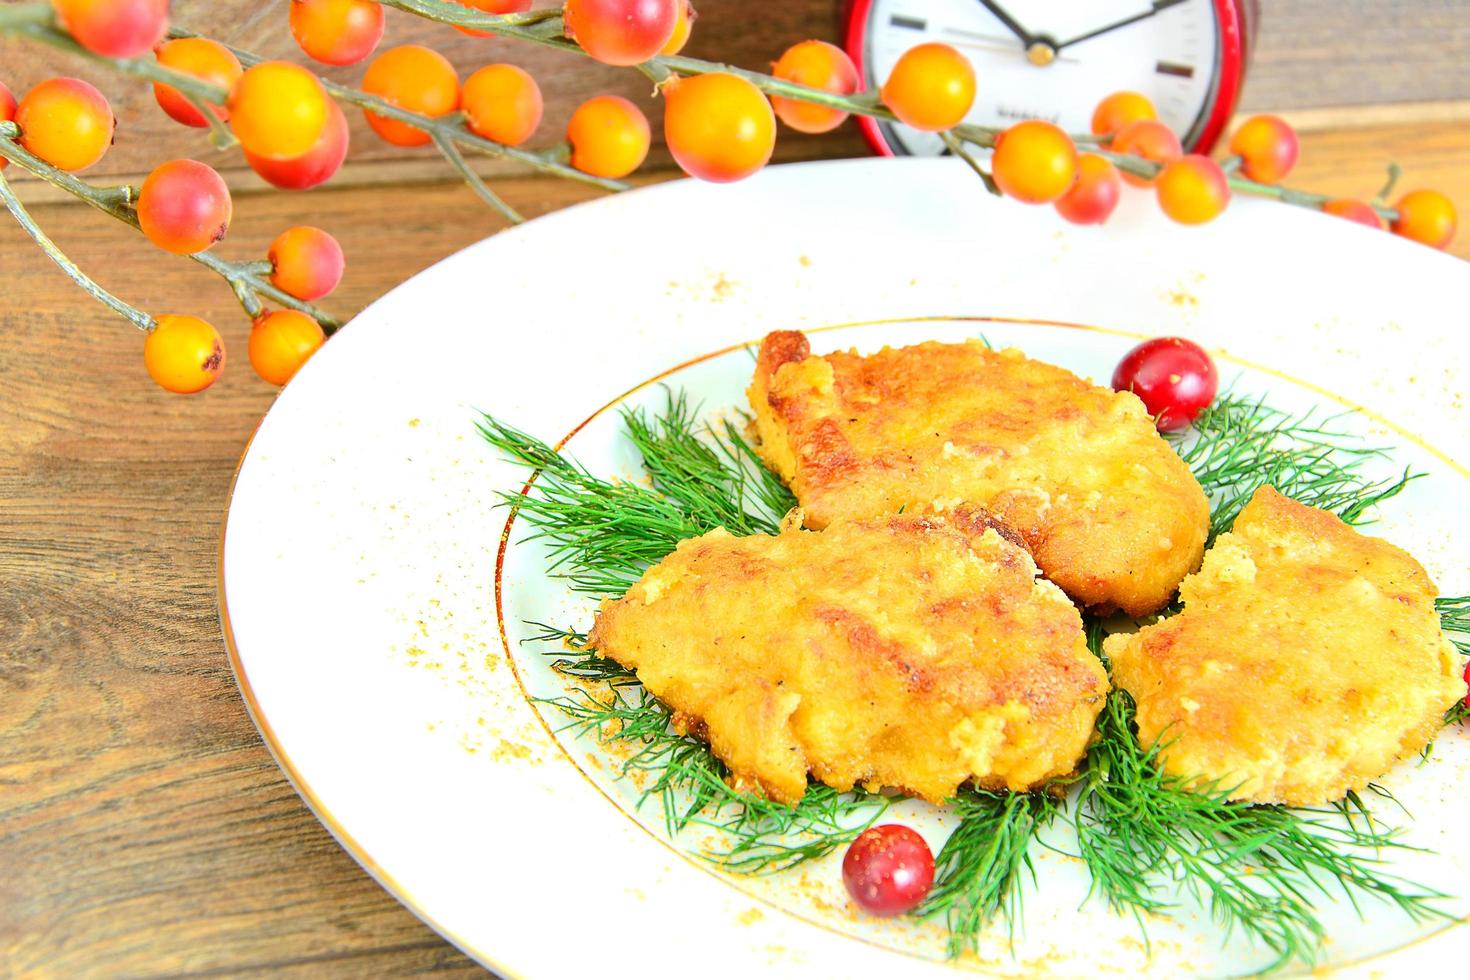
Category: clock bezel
[1236,19]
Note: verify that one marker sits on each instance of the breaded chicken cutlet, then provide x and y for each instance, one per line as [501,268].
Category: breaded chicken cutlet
[907,651]
[1109,511]
[1308,659]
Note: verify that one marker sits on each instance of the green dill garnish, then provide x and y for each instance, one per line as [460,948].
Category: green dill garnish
[603,534]
[1240,444]
[760,835]
[1454,619]
[980,869]
[1254,867]
[1456,714]
[717,480]
[576,658]
[1148,839]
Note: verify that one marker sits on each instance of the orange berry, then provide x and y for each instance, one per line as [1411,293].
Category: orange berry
[184,207]
[65,122]
[609,137]
[281,341]
[306,262]
[205,60]
[931,87]
[719,127]
[1267,148]
[337,32]
[1353,210]
[1192,189]
[315,166]
[1034,162]
[1426,217]
[502,103]
[683,27]
[114,28]
[1120,109]
[819,65]
[183,354]
[415,78]
[7,113]
[1095,195]
[1149,139]
[278,110]
[621,32]
[491,7]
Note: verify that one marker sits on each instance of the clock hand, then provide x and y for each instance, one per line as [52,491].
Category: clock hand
[1158,7]
[1025,36]
[1000,45]
[1008,48]
[977,36]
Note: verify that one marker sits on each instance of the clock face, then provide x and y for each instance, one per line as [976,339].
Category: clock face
[1057,58]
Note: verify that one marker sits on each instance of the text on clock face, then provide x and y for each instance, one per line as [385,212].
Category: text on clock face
[1018,113]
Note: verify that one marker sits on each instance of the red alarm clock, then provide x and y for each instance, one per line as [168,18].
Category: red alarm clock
[1055,59]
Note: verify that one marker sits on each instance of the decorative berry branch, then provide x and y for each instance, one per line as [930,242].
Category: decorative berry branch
[130,313]
[446,131]
[719,125]
[547,28]
[246,279]
[36,22]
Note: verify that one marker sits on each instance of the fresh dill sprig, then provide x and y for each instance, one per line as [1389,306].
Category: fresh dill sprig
[1240,444]
[765,488]
[716,476]
[1254,867]
[1454,619]
[576,658]
[759,836]
[1352,807]
[603,534]
[767,837]
[981,867]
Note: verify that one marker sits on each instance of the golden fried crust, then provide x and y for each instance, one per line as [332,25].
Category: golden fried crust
[1307,661]
[907,652]
[1110,512]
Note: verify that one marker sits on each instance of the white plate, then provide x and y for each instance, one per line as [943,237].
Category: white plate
[359,587]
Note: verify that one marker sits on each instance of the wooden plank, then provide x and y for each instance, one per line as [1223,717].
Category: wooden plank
[1398,115]
[1314,53]
[146,829]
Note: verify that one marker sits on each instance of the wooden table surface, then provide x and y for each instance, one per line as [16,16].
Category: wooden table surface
[144,828]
